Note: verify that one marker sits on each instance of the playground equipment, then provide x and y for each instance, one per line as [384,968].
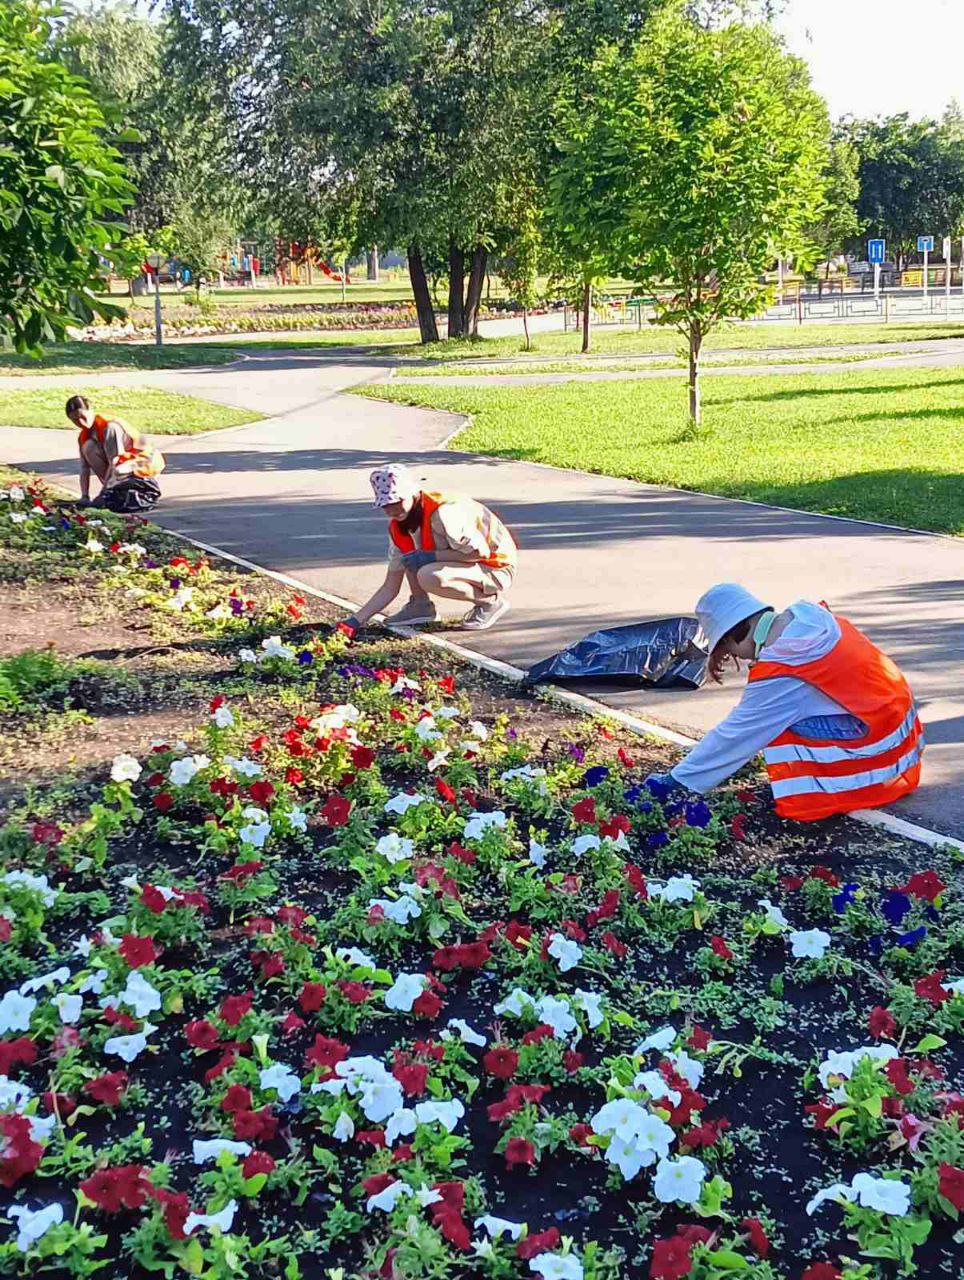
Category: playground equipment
[296,261]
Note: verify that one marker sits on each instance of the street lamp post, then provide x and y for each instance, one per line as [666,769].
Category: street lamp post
[155,261]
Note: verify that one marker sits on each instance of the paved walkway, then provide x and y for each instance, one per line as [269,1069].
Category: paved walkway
[291,493]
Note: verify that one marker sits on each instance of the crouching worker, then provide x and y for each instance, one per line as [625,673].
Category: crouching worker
[832,714]
[440,544]
[122,460]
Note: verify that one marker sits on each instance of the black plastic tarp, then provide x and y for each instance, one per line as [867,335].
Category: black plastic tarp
[662,653]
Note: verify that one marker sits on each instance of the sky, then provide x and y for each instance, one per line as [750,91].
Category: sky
[880,57]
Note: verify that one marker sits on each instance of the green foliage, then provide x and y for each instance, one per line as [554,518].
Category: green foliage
[36,677]
[62,187]
[700,155]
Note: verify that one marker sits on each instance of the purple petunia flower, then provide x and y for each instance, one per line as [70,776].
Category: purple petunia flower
[875,944]
[174,583]
[894,906]
[511,734]
[911,939]
[843,899]
[656,839]
[575,751]
[592,777]
[305,658]
[64,523]
[659,790]
[148,564]
[632,794]
[698,813]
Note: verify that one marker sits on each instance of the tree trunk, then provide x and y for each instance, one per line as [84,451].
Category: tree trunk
[473,294]
[373,262]
[696,342]
[456,291]
[428,329]
[586,304]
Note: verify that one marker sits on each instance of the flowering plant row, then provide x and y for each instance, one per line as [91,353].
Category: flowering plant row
[356,982]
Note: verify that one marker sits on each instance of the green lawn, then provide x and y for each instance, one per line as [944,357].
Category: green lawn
[159,413]
[627,340]
[109,357]
[872,444]
[587,364]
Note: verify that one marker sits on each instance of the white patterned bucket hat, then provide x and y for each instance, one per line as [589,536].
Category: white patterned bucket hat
[394,483]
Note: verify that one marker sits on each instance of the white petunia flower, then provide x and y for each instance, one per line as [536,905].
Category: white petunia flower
[590,1002]
[886,1195]
[557,1014]
[282,1079]
[211,1148]
[837,1191]
[69,1008]
[395,848]
[660,1040]
[655,1086]
[183,770]
[518,1002]
[679,1181]
[477,824]
[465,1033]
[809,944]
[499,1227]
[33,1224]
[582,844]
[127,1048]
[298,819]
[39,884]
[404,991]
[381,1099]
[344,1128]
[139,995]
[255,834]
[556,1266]
[55,978]
[223,717]
[425,1196]
[426,731]
[15,1012]
[401,1125]
[773,913]
[403,802]
[446,1113]
[398,910]
[14,1094]
[353,956]
[629,1157]
[567,952]
[222,1220]
[181,599]
[273,648]
[676,889]
[622,1117]
[125,768]
[842,1064]
[387,1200]
[689,1068]
[537,854]
[94,982]
[247,655]
[243,767]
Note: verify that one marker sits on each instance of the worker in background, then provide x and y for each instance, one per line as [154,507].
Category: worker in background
[122,460]
[832,714]
[440,544]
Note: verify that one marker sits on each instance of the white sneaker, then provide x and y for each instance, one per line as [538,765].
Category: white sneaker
[485,614]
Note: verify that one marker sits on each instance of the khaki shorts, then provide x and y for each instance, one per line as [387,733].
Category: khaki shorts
[483,580]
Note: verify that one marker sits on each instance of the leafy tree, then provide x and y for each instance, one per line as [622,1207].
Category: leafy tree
[911,176]
[62,186]
[839,224]
[701,153]
[519,267]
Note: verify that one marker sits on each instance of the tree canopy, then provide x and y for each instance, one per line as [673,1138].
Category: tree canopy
[63,188]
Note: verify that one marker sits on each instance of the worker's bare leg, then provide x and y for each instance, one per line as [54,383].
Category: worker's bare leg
[452,581]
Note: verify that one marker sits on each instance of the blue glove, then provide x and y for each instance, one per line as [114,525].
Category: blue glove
[414,560]
[662,785]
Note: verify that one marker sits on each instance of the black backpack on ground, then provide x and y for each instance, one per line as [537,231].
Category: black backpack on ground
[133,495]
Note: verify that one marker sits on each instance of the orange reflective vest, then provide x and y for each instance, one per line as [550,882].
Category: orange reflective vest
[140,459]
[814,778]
[498,538]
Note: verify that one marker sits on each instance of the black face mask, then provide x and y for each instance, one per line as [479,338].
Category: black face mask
[413,520]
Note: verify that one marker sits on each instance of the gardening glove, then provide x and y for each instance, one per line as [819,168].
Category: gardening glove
[348,626]
[662,785]
[414,560]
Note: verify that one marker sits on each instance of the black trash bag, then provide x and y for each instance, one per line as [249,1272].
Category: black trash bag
[135,494]
[663,653]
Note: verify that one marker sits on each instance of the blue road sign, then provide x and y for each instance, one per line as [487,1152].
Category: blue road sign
[925,244]
[875,250]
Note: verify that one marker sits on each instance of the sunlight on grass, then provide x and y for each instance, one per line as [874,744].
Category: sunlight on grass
[159,413]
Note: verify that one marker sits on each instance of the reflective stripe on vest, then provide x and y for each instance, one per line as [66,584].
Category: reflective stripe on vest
[814,779]
[430,504]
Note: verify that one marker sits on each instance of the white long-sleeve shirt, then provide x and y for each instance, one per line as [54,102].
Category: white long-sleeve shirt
[767,707]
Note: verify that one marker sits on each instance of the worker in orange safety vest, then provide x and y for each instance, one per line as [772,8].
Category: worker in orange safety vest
[833,715]
[440,544]
[113,452]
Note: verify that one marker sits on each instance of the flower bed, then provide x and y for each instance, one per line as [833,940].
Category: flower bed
[357,981]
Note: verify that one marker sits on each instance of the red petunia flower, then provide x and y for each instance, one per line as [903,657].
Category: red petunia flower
[444,791]
[572,1060]
[896,1073]
[354,992]
[124,1187]
[924,884]
[176,1208]
[585,811]
[14,1053]
[758,1237]
[335,811]
[312,996]
[153,899]
[163,802]
[19,1154]
[929,988]
[519,1151]
[412,1076]
[537,1242]
[636,880]
[138,951]
[428,1005]
[613,944]
[237,1097]
[326,1052]
[951,1184]
[261,791]
[255,1126]
[719,947]
[672,1259]
[201,1035]
[699,1037]
[501,1062]
[233,1008]
[821,1271]
[882,1023]
[257,1162]
[107,1088]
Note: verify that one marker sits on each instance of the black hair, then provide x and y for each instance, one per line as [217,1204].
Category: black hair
[717,659]
[75,403]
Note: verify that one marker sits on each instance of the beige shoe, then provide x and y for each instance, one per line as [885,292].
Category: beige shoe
[485,614]
[417,610]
